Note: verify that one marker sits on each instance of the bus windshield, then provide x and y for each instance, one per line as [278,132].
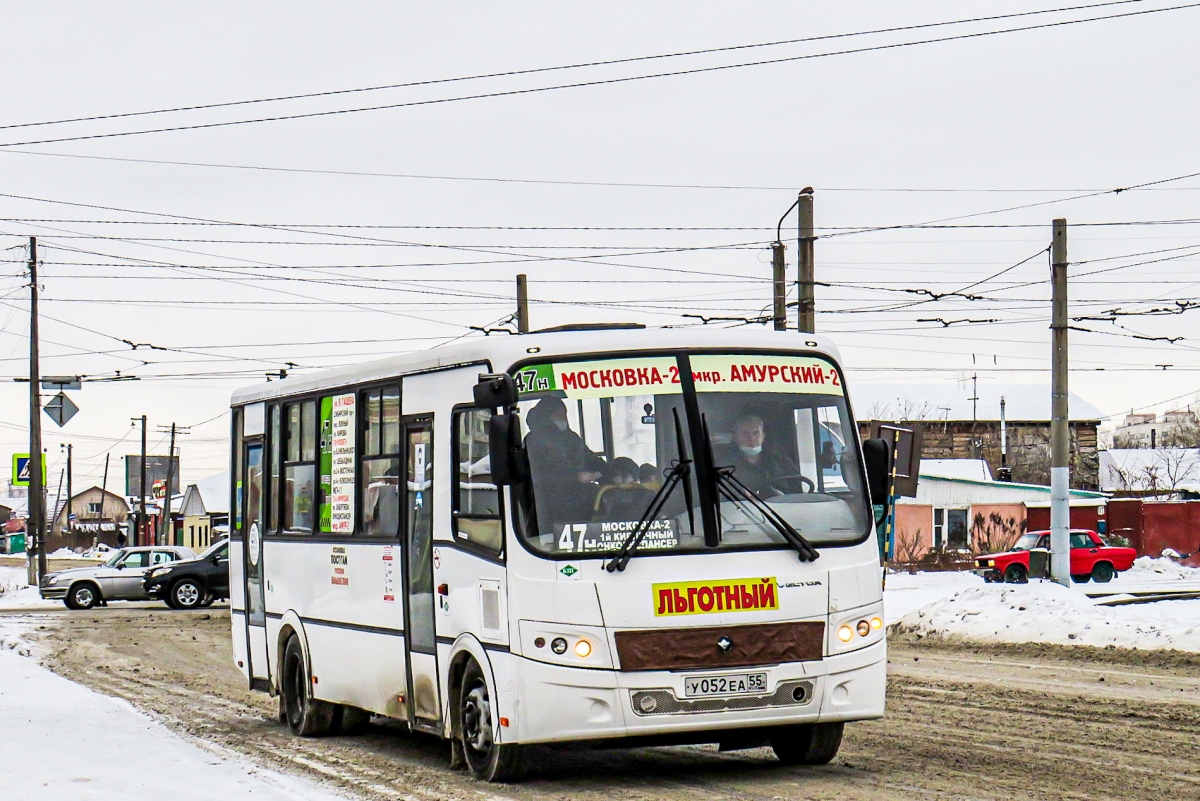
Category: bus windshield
[601,436]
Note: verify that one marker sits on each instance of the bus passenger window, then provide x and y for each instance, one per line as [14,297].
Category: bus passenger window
[379,465]
[299,469]
[477,515]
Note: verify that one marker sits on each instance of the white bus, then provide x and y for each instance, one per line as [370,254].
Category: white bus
[607,535]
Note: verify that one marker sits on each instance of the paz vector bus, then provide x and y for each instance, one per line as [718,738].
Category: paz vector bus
[594,534]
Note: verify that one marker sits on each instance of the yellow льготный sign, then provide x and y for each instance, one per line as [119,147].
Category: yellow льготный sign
[717,595]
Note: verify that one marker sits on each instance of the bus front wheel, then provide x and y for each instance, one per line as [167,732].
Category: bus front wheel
[487,759]
[810,744]
[306,716]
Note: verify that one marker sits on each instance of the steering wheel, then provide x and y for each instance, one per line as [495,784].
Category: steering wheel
[806,483]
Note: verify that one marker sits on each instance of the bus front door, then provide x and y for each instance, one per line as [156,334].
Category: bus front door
[256,612]
[425,707]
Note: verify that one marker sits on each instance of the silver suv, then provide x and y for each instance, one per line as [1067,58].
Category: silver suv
[118,579]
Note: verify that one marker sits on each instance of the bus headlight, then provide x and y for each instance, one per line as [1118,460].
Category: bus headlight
[583,649]
[845,633]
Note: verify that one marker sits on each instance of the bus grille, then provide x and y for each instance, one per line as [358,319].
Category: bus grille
[664,702]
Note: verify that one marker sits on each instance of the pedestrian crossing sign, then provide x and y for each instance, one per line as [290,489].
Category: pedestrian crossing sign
[20,472]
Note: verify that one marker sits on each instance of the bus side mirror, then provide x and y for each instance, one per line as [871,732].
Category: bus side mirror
[504,435]
[877,456]
[495,391]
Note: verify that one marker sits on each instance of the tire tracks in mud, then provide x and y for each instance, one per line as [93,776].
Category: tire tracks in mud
[961,723]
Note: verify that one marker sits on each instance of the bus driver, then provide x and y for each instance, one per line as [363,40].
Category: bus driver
[756,466]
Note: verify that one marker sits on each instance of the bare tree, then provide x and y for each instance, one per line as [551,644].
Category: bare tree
[908,546]
[1162,473]
[995,533]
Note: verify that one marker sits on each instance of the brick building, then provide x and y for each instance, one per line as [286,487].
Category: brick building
[961,420]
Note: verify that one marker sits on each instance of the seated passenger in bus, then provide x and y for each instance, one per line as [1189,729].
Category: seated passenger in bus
[623,497]
[762,467]
[564,468]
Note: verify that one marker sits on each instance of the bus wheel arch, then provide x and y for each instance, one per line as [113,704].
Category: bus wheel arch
[290,626]
[500,762]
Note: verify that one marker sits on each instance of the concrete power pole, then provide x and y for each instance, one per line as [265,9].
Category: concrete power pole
[1060,504]
[779,283]
[522,304]
[805,283]
[35,522]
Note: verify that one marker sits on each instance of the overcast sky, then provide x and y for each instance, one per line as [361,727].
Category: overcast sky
[969,129]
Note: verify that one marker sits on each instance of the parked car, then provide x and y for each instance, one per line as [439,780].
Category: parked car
[1091,558]
[119,578]
[192,583]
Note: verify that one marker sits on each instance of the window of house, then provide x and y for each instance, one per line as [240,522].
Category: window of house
[299,488]
[958,535]
[95,509]
[379,463]
[939,529]
[477,516]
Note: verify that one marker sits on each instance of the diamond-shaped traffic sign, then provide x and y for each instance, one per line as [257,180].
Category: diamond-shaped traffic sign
[61,409]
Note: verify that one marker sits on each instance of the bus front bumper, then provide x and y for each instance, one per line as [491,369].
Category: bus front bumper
[557,704]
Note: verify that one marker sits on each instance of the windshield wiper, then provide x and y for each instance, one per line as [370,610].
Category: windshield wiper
[680,471]
[738,493]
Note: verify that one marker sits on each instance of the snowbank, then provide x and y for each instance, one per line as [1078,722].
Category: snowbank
[69,742]
[905,592]
[1044,612]
[1147,568]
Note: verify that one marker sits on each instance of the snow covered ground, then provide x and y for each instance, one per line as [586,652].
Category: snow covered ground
[962,605]
[15,593]
[66,741]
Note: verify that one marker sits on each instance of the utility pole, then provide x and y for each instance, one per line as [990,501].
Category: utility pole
[779,281]
[522,304]
[141,515]
[70,488]
[805,282]
[35,523]
[104,484]
[164,523]
[164,527]
[1060,504]
[1005,472]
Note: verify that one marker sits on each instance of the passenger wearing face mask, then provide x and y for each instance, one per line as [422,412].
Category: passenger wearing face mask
[755,465]
[564,468]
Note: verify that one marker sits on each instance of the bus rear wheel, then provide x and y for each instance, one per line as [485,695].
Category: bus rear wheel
[810,744]
[306,716]
[487,759]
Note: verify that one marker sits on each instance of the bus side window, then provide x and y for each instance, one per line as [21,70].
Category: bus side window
[478,519]
[379,464]
[299,468]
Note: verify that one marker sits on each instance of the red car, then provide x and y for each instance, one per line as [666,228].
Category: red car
[1090,558]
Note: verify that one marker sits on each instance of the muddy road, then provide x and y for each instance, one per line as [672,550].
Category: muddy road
[962,723]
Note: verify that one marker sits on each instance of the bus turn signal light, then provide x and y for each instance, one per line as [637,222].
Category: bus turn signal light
[845,633]
[876,622]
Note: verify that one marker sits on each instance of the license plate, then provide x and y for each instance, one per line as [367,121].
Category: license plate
[733,684]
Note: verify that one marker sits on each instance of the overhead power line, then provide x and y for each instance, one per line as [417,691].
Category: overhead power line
[620,80]
[558,68]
